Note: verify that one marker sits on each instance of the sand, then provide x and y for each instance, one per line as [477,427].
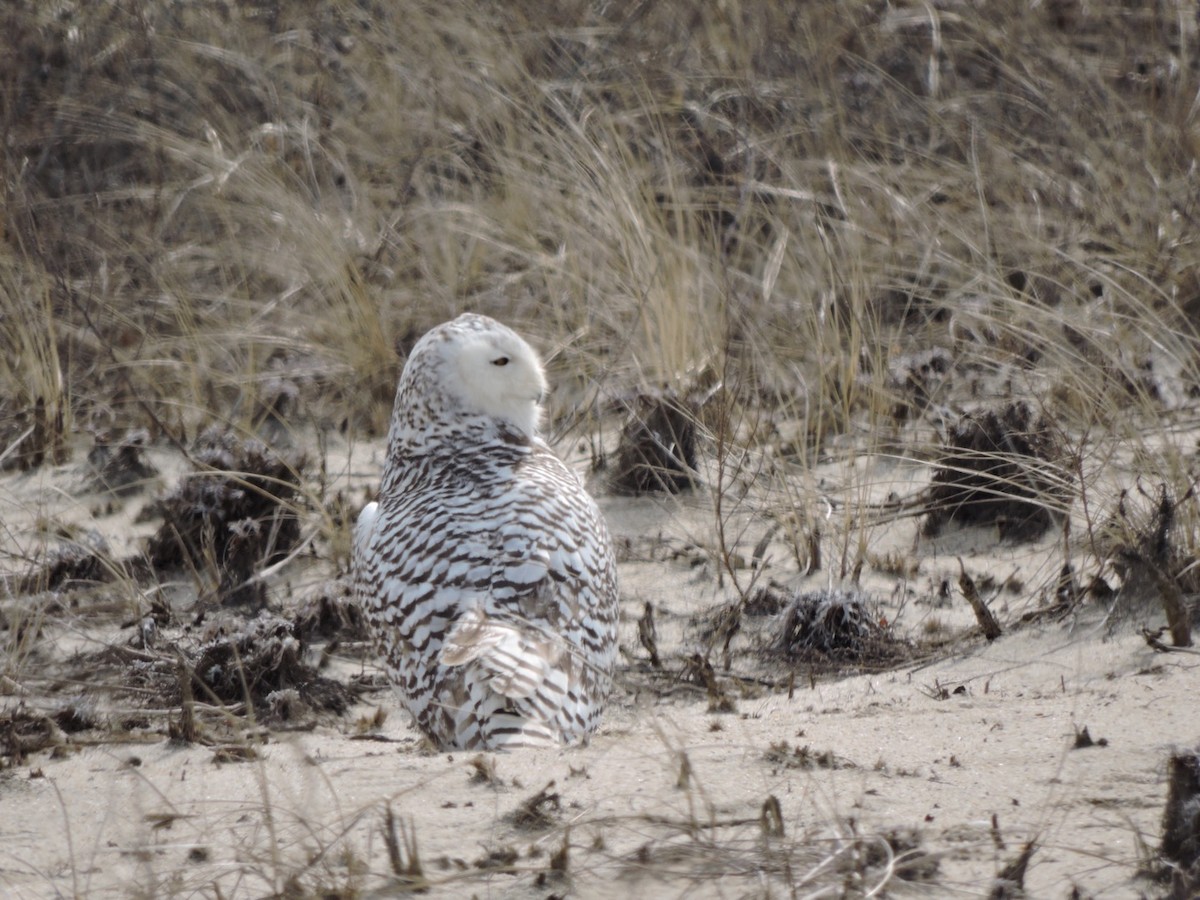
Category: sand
[961,756]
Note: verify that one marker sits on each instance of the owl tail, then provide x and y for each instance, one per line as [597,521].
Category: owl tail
[514,677]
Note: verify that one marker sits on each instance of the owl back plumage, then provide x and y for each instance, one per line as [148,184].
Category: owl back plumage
[485,569]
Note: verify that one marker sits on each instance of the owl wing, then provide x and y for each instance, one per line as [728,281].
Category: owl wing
[521,634]
[511,656]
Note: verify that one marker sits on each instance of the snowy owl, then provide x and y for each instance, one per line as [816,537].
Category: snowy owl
[485,569]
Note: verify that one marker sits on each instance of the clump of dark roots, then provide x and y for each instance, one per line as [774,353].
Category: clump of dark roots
[834,626]
[84,560]
[237,512]
[1000,467]
[118,466]
[33,434]
[824,630]
[332,613]
[1143,544]
[916,379]
[657,451]
[1181,824]
[24,732]
[250,658]
[261,661]
[537,812]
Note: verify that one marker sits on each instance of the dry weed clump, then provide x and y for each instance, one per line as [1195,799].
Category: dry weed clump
[231,666]
[918,380]
[118,465]
[760,854]
[1151,543]
[1000,467]
[657,449]
[1181,823]
[35,405]
[233,517]
[81,561]
[835,628]
[828,630]
[24,732]
[332,612]
[258,659]
[832,622]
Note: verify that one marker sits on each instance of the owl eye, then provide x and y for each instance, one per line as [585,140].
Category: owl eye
[500,361]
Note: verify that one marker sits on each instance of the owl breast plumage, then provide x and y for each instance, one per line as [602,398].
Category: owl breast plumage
[485,569]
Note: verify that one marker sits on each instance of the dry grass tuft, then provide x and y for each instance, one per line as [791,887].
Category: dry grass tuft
[1003,468]
[232,518]
[119,465]
[79,561]
[24,733]
[1151,543]
[835,627]
[657,450]
[1181,822]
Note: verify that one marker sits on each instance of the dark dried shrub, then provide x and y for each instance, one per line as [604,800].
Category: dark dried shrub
[1000,467]
[765,601]
[239,512]
[832,628]
[537,812]
[82,561]
[23,732]
[332,613]
[827,624]
[1144,532]
[657,452]
[32,434]
[904,853]
[1181,821]
[1154,556]
[76,715]
[257,658]
[916,378]
[118,466]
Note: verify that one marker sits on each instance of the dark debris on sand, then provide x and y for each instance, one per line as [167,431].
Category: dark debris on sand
[1181,824]
[827,630]
[1000,467]
[332,613]
[234,660]
[119,465]
[237,515]
[222,652]
[835,626]
[657,450]
[24,732]
[1145,545]
[239,511]
[83,560]
[917,379]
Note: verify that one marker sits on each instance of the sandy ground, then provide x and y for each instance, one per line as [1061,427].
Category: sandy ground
[965,757]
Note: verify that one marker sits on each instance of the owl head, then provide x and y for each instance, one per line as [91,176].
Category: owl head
[474,368]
